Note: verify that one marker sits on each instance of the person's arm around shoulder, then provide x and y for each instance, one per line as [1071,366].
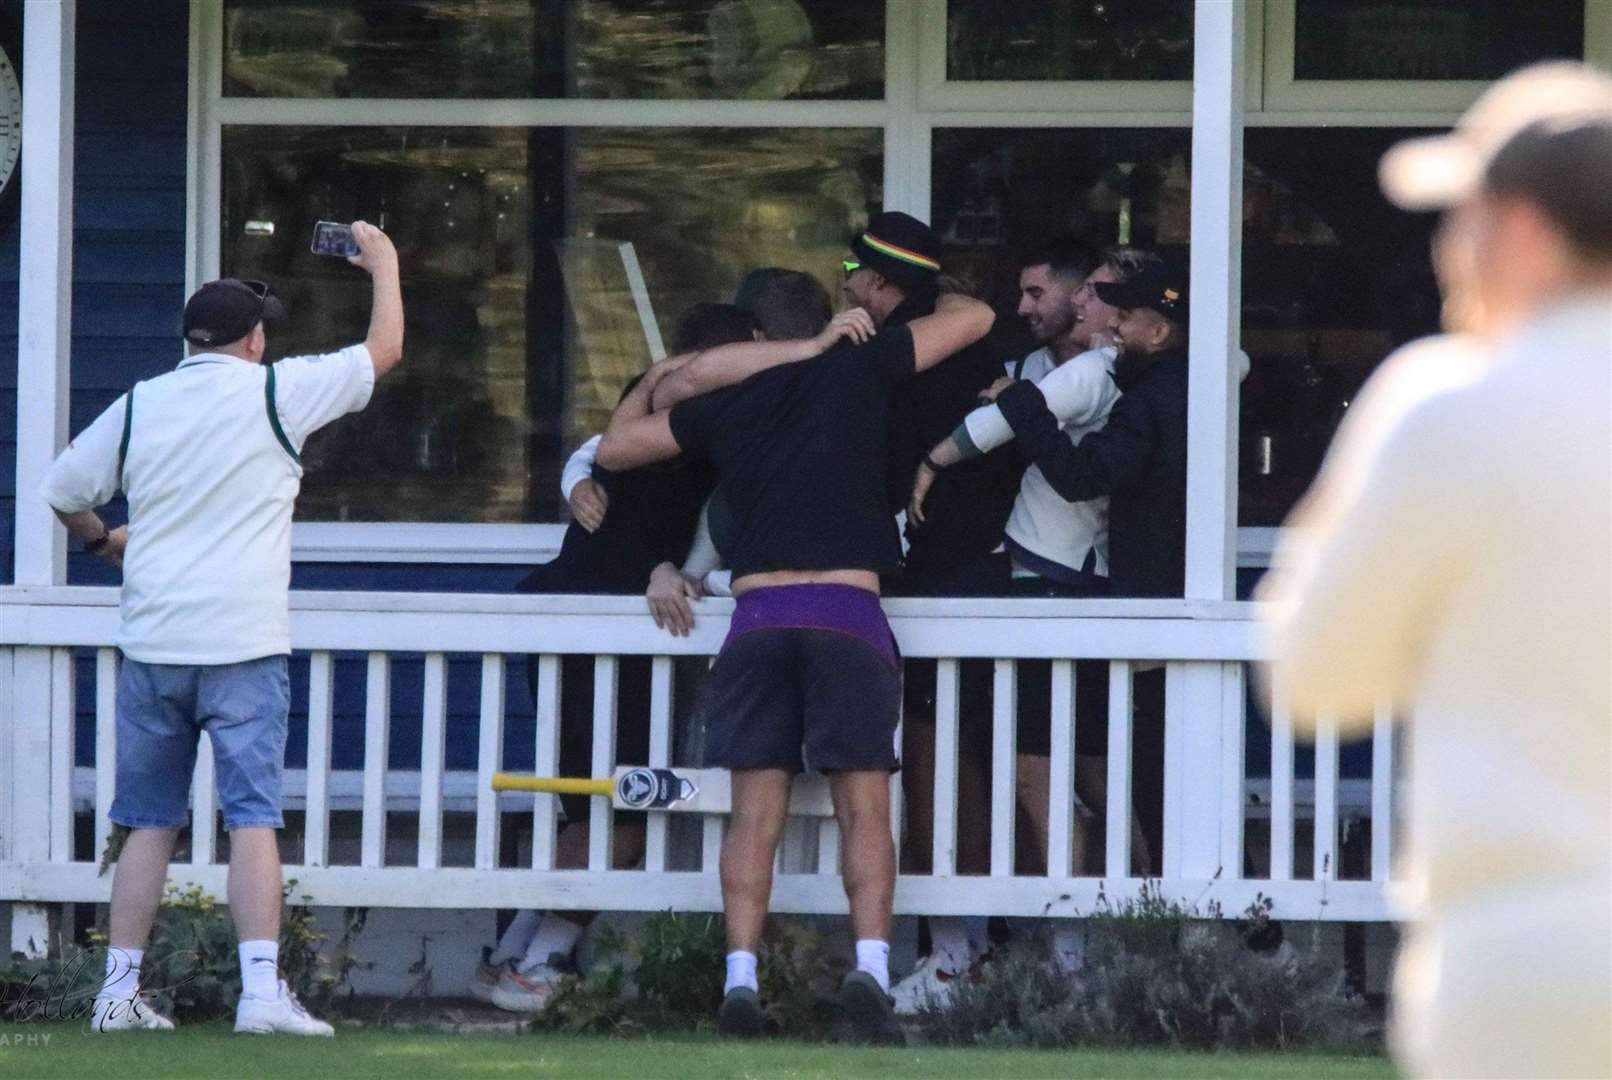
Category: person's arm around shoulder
[637,434]
[1108,459]
[384,342]
[728,365]
[586,496]
[958,322]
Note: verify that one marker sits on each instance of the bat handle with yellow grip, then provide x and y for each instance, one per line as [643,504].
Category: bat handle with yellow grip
[558,785]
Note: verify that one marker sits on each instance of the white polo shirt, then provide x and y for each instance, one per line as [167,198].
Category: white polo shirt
[211,471]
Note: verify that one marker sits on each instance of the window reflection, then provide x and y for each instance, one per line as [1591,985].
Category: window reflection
[1432,39]
[1333,277]
[502,375]
[623,49]
[1068,39]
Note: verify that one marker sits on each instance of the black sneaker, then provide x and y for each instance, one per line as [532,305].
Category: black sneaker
[871,1012]
[740,1015]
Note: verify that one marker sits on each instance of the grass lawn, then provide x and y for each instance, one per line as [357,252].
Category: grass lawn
[212,1051]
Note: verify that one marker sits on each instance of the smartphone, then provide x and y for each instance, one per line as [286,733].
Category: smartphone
[333,238]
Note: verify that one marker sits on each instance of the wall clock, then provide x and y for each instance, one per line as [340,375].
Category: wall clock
[10,116]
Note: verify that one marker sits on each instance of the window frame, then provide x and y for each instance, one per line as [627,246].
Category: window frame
[918,98]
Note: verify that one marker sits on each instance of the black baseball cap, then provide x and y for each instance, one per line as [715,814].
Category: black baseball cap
[225,310]
[899,246]
[1158,286]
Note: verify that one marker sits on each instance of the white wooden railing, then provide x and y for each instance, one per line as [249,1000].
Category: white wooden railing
[1208,797]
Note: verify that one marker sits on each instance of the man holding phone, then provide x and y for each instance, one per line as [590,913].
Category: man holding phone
[208,456]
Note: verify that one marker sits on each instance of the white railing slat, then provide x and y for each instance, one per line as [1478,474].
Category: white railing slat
[828,846]
[1326,801]
[321,689]
[433,746]
[1061,770]
[106,744]
[489,758]
[1281,791]
[1117,856]
[63,720]
[377,750]
[605,686]
[945,780]
[1382,794]
[711,843]
[660,754]
[1233,746]
[1004,762]
[546,760]
[203,806]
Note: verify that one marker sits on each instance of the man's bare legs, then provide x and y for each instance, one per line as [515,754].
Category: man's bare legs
[760,806]
[862,805]
[254,883]
[137,883]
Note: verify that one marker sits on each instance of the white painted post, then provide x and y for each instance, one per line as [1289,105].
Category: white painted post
[1281,790]
[316,802]
[1061,771]
[45,282]
[660,754]
[106,744]
[944,823]
[1117,857]
[604,759]
[489,759]
[908,134]
[546,759]
[62,722]
[1216,294]
[1382,793]
[1004,766]
[204,806]
[1325,859]
[377,748]
[433,749]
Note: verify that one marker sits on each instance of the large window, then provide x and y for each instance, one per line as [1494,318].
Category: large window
[522,324]
[1333,277]
[564,177]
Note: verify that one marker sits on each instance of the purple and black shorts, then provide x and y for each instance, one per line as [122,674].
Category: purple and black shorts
[808,678]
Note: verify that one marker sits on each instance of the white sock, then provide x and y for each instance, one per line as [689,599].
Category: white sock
[554,935]
[517,937]
[741,970]
[260,969]
[1069,943]
[949,944]
[122,973]
[873,957]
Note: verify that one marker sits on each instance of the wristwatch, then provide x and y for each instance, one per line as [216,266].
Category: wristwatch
[94,546]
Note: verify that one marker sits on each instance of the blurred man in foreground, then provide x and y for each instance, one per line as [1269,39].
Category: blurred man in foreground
[1454,558]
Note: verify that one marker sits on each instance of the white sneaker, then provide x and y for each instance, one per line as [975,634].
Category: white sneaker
[284,1014]
[126,1014]
[929,984]
[485,980]
[525,992]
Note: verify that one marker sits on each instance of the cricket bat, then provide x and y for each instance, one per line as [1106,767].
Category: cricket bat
[638,787]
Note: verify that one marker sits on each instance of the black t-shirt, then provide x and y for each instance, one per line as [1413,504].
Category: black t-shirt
[800,452]
[651,519]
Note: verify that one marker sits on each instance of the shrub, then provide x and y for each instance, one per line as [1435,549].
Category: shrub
[192,966]
[1156,973]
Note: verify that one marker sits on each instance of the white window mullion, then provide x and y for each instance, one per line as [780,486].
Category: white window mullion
[1216,291]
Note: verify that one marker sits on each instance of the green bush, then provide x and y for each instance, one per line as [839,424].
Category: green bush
[1156,974]
[669,978]
[192,966]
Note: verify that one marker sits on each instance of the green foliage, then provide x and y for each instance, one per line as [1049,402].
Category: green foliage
[192,965]
[797,979]
[1157,974]
[669,978]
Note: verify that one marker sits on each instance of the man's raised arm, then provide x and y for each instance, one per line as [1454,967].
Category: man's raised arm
[957,323]
[636,434]
[727,365]
[377,255]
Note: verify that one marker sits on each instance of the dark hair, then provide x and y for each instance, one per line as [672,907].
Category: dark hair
[1065,257]
[705,326]
[1564,168]
[787,304]
[1125,262]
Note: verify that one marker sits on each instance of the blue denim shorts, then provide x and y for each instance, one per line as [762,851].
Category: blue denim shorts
[162,710]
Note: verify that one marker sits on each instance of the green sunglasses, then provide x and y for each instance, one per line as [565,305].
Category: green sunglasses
[850,266]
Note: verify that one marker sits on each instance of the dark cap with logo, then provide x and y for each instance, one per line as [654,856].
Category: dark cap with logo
[226,310]
[902,248]
[1158,286]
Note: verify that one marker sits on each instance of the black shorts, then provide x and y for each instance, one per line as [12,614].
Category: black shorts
[795,699]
